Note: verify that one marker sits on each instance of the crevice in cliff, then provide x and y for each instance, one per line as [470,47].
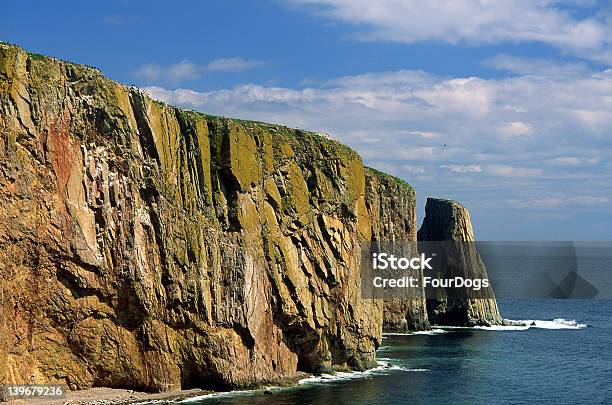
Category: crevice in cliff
[223,177]
[147,141]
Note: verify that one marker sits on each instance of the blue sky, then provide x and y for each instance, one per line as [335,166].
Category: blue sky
[505,106]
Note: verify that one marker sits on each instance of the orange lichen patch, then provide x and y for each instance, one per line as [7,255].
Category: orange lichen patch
[61,152]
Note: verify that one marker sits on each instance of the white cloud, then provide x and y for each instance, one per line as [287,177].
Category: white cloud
[559,201]
[399,170]
[186,70]
[594,118]
[463,168]
[426,134]
[515,129]
[436,110]
[150,72]
[572,161]
[232,65]
[514,171]
[401,78]
[473,21]
[413,169]
[536,66]
[175,73]
[522,137]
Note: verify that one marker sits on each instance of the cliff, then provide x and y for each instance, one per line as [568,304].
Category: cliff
[154,248]
[447,220]
[392,205]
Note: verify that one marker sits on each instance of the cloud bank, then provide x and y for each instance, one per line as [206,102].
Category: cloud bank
[543,139]
[552,22]
[186,70]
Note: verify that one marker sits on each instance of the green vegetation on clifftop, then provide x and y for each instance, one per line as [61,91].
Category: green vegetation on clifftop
[396,180]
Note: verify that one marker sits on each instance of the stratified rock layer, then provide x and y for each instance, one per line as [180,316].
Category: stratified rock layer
[447,220]
[149,247]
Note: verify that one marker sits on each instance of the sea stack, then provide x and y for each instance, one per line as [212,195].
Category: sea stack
[447,220]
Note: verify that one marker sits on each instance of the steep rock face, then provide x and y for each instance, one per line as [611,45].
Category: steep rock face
[154,248]
[392,204]
[447,220]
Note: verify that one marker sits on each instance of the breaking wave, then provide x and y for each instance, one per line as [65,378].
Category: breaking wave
[384,367]
[224,394]
[558,323]
[435,331]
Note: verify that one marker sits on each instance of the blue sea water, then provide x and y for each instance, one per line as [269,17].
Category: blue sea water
[564,359]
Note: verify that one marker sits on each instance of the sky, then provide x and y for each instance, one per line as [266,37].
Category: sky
[504,106]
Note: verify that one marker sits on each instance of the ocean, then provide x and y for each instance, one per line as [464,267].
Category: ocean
[564,359]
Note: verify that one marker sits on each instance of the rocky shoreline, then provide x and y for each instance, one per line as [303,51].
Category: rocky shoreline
[108,396]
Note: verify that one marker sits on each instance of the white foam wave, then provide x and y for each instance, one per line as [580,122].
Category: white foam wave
[558,323]
[419,332]
[383,367]
[224,394]
[153,401]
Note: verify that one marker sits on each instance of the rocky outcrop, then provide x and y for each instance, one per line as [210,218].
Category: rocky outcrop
[154,248]
[392,204]
[447,220]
